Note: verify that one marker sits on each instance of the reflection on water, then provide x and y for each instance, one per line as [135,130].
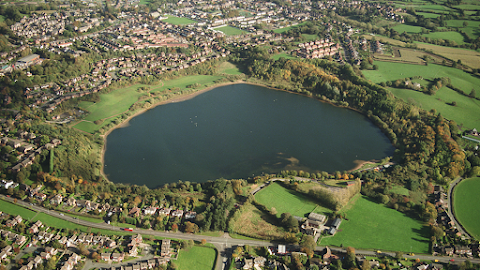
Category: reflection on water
[237,131]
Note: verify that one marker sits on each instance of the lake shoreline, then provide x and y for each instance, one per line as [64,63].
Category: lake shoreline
[185,97]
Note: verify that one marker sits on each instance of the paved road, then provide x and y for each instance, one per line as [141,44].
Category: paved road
[450,211]
[221,243]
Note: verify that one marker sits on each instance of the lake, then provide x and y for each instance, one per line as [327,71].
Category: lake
[239,131]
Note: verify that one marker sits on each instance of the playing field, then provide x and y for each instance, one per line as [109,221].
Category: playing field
[453,36]
[197,257]
[288,201]
[373,226]
[466,113]
[465,205]
[230,31]
[178,21]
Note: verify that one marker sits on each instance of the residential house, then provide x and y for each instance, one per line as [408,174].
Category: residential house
[165,248]
[57,199]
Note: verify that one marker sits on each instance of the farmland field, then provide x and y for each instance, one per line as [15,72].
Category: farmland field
[469,57]
[392,71]
[428,14]
[230,31]
[453,36]
[465,204]
[466,113]
[197,257]
[407,28]
[287,201]
[178,21]
[374,226]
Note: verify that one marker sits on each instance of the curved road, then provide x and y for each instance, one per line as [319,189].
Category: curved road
[221,243]
[450,211]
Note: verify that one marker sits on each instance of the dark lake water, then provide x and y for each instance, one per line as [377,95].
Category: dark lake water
[238,131]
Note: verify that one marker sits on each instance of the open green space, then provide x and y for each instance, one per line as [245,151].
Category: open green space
[370,225]
[178,20]
[228,68]
[307,37]
[118,101]
[452,36]
[466,113]
[230,31]
[14,209]
[2,18]
[428,15]
[285,29]
[197,257]
[472,28]
[280,55]
[407,28]
[399,190]
[465,205]
[388,71]
[288,201]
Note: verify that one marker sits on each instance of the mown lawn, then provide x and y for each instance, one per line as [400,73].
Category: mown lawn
[466,113]
[465,204]
[199,258]
[230,31]
[178,21]
[287,201]
[373,226]
[14,209]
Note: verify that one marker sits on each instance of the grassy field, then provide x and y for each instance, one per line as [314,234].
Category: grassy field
[285,29]
[198,257]
[2,18]
[284,55]
[407,28]
[120,100]
[470,58]
[465,203]
[466,113]
[409,55]
[287,201]
[230,31]
[55,222]
[428,15]
[178,21]
[253,223]
[13,209]
[471,29]
[228,68]
[392,71]
[374,226]
[453,36]
[307,38]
